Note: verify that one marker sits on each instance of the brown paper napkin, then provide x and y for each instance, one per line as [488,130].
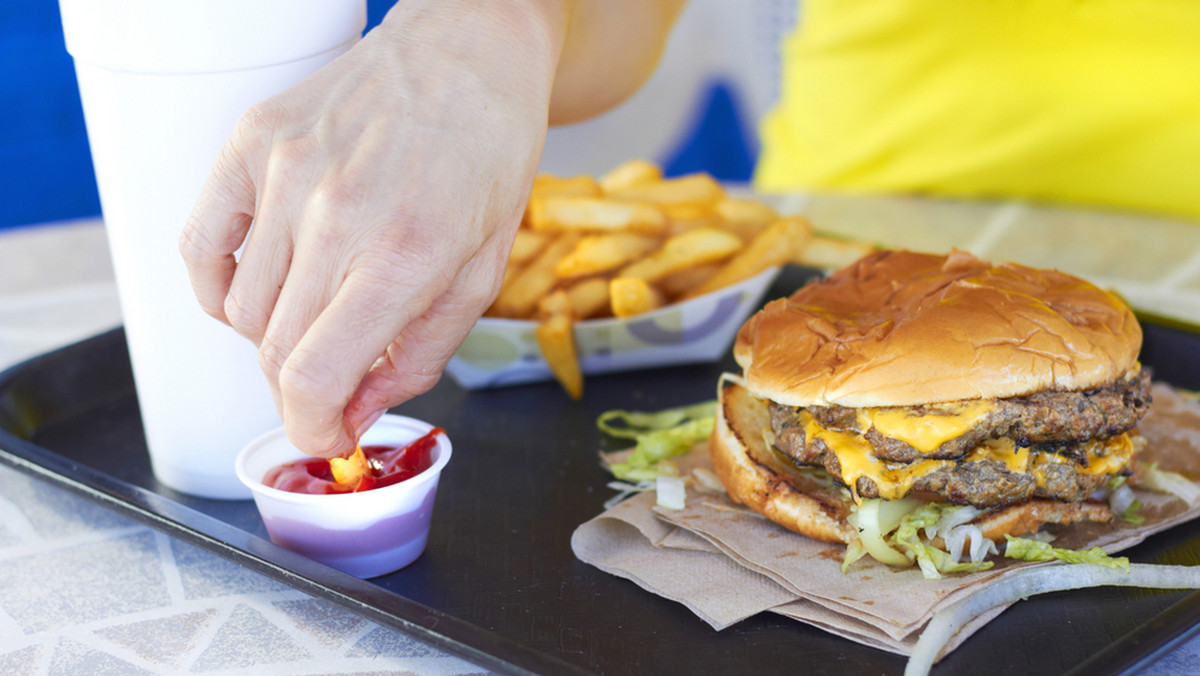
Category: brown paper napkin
[727,563]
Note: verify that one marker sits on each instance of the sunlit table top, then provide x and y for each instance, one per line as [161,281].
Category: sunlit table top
[1154,263]
[84,589]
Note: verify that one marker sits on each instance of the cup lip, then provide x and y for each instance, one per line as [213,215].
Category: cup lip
[258,488]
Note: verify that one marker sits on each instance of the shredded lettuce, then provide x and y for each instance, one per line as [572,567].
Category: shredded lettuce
[875,520]
[889,530]
[933,561]
[637,423]
[660,436]
[1131,514]
[854,551]
[1025,549]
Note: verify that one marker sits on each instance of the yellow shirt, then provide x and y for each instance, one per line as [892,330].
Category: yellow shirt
[1074,101]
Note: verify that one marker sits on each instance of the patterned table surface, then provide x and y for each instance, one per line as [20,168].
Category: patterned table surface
[86,590]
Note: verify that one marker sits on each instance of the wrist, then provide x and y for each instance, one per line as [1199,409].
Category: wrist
[494,36]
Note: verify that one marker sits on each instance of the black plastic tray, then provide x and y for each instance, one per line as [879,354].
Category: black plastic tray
[498,583]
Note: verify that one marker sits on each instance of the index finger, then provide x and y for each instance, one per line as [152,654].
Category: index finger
[334,350]
[217,227]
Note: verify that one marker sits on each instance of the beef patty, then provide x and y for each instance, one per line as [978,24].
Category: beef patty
[1060,422]
[1042,420]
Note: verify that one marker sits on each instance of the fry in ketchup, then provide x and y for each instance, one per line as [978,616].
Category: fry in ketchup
[372,466]
[350,471]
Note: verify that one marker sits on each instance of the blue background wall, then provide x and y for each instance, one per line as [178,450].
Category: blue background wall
[46,169]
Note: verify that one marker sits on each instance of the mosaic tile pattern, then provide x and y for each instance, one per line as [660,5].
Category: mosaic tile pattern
[84,590]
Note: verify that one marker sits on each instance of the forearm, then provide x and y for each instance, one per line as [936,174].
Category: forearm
[593,54]
[610,50]
[506,49]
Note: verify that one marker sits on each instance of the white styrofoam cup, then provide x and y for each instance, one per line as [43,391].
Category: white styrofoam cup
[162,84]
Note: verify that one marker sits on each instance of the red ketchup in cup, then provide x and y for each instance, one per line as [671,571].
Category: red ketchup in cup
[376,521]
[388,465]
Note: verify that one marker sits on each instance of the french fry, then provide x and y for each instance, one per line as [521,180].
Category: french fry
[700,189]
[526,245]
[694,247]
[830,253]
[518,299]
[549,185]
[590,214]
[556,340]
[631,173]
[349,470]
[735,209]
[601,253]
[554,303]
[745,217]
[684,217]
[589,297]
[632,296]
[679,284]
[781,242]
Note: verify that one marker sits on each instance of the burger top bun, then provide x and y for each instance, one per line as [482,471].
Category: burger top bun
[899,328]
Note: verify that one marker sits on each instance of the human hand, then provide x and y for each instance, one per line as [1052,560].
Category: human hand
[377,202]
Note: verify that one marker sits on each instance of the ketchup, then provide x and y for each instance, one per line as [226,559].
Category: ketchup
[388,465]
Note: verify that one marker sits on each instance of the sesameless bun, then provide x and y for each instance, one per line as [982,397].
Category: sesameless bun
[966,329]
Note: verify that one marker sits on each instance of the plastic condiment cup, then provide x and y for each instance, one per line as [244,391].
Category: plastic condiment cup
[365,534]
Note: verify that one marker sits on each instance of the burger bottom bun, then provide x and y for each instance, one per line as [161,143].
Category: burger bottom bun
[755,475]
[794,500]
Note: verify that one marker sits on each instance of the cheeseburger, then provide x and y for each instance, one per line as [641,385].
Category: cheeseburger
[980,399]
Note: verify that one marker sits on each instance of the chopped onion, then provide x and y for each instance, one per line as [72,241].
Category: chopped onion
[952,518]
[671,492]
[956,540]
[1041,536]
[1168,482]
[1039,580]
[981,547]
[1121,499]
[955,531]
[708,480]
[874,519]
[626,490]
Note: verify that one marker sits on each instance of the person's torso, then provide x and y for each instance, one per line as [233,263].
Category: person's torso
[1077,101]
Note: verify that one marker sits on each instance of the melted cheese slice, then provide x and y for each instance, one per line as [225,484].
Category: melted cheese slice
[925,432]
[894,479]
[1005,451]
[1104,456]
[857,459]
